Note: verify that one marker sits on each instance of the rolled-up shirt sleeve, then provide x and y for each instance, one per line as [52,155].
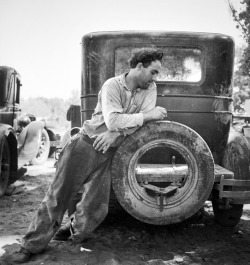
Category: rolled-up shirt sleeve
[112,110]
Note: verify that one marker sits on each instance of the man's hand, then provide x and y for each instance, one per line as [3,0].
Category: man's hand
[157,113]
[105,140]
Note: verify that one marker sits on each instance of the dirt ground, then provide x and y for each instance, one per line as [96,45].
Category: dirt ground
[121,239]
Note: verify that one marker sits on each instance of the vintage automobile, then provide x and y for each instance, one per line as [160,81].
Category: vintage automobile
[23,139]
[165,171]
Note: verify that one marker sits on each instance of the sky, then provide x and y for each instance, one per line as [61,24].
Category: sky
[41,39]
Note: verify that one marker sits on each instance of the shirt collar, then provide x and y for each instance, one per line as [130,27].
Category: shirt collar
[122,82]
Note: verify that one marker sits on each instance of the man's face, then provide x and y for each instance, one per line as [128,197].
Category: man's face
[148,75]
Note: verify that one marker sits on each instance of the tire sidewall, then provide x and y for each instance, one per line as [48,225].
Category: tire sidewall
[38,160]
[200,163]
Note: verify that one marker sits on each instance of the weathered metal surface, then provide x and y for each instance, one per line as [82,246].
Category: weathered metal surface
[73,115]
[236,155]
[220,172]
[10,83]
[171,173]
[28,142]
[99,55]
[160,172]
[226,190]
[204,106]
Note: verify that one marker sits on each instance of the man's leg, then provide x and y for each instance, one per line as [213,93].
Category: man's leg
[63,233]
[76,163]
[93,207]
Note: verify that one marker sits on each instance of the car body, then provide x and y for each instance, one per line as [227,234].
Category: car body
[29,142]
[166,170]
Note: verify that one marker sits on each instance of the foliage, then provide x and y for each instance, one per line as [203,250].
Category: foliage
[74,98]
[242,19]
[241,81]
[53,110]
[241,84]
[242,61]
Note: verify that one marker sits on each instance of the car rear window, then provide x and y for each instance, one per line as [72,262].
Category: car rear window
[179,64]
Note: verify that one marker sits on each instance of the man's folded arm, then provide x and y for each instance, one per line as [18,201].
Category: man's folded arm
[113,114]
[112,110]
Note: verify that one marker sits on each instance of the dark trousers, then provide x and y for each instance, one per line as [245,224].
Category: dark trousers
[80,167]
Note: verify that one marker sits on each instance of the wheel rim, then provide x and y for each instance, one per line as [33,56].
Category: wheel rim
[184,189]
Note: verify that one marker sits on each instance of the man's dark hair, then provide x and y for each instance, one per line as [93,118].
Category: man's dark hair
[145,56]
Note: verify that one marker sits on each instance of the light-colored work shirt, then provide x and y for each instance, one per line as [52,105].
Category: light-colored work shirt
[118,109]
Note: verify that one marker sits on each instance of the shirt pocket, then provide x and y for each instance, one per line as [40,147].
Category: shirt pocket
[134,108]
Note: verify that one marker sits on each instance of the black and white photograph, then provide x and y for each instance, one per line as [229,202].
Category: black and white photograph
[125,132]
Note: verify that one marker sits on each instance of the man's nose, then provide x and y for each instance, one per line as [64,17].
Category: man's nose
[154,78]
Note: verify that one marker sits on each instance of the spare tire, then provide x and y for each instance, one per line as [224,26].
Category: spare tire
[163,173]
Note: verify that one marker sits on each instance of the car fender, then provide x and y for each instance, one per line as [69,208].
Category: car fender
[8,131]
[5,129]
[28,142]
[236,156]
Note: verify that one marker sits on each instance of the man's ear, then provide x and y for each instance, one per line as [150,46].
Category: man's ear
[139,66]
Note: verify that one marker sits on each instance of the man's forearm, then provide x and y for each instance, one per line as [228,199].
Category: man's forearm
[129,131]
[121,122]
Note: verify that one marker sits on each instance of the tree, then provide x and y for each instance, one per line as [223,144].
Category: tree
[242,56]
[74,97]
[242,19]
[53,110]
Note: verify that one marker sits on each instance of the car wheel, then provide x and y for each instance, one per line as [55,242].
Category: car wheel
[43,151]
[5,165]
[52,137]
[163,173]
[226,216]
[236,159]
